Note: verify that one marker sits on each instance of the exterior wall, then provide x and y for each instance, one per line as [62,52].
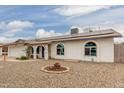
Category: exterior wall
[75,50]
[72,50]
[0,51]
[16,51]
[106,50]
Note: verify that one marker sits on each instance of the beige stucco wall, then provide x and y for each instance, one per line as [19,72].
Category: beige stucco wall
[72,50]
[0,51]
[75,50]
[16,51]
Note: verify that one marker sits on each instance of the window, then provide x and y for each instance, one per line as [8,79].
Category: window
[87,51]
[5,50]
[90,49]
[60,49]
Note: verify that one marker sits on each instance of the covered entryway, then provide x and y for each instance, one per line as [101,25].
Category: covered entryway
[40,52]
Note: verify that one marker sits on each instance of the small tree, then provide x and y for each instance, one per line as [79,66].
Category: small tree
[28,52]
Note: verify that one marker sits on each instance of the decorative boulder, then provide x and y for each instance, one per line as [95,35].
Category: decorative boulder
[57,65]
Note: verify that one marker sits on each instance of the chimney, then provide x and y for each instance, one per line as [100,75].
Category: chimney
[74,31]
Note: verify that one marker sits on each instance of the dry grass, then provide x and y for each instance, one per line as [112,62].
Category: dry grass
[28,74]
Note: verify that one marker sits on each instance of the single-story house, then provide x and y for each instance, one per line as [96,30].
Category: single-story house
[92,46]
[1,49]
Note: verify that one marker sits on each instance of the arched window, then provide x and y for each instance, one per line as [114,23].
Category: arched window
[60,49]
[90,49]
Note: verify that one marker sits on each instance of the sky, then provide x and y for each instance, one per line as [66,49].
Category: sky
[33,21]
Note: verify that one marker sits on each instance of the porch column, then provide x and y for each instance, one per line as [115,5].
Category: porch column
[46,52]
[34,54]
[40,52]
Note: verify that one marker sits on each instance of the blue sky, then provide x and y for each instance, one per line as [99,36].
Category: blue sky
[29,22]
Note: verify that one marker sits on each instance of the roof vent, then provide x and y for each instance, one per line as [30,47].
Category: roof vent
[88,30]
[74,31]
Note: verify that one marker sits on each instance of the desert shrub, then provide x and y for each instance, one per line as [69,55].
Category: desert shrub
[57,65]
[17,58]
[23,58]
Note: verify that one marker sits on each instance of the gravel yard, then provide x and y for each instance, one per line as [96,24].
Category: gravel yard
[82,74]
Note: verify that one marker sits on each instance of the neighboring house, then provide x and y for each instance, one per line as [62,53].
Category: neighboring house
[95,46]
[1,49]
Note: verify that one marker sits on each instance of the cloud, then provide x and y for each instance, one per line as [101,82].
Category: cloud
[119,28]
[51,24]
[41,33]
[72,11]
[11,28]
[19,25]
[112,15]
[2,25]
[4,39]
[107,25]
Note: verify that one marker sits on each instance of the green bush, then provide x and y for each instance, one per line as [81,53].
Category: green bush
[17,58]
[23,58]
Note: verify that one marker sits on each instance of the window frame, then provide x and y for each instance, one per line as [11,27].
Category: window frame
[61,49]
[90,49]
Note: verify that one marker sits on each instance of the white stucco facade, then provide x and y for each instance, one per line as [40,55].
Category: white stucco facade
[0,51]
[75,50]
[91,47]
[16,51]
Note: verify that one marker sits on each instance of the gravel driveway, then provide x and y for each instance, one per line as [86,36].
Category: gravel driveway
[82,74]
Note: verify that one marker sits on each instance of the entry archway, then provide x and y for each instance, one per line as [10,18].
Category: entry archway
[40,52]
